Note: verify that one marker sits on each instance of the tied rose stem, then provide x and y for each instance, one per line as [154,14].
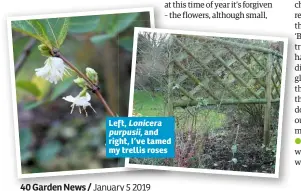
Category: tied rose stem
[98,94]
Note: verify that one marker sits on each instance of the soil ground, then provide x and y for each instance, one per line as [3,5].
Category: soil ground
[250,155]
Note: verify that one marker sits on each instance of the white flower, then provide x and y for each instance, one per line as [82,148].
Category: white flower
[80,101]
[53,70]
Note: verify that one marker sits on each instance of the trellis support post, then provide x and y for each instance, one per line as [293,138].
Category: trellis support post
[268,95]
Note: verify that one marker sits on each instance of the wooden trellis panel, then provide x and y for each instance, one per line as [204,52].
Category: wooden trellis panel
[267,92]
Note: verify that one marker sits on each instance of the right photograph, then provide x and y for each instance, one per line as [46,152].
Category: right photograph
[225,91]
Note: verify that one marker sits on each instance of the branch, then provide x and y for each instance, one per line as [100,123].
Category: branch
[95,88]
[240,45]
[186,103]
[24,55]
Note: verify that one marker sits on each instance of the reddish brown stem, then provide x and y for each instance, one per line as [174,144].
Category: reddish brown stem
[90,83]
[99,96]
[82,75]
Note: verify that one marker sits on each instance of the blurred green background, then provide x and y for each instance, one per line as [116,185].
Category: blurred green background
[52,139]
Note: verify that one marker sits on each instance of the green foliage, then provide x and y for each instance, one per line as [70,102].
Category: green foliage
[148,104]
[80,82]
[25,136]
[206,120]
[48,151]
[95,136]
[211,118]
[122,22]
[29,87]
[84,24]
[234,160]
[101,39]
[32,104]
[58,90]
[126,43]
[234,149]
[152,104]
[109,26]
[51,32]
[115,24]
[61,88]
[54,130]
[112,25]
[202,102]
[45,51]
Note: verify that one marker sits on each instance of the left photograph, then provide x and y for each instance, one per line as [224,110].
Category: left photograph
[68,72]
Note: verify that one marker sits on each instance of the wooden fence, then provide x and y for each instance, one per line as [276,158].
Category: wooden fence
[260,88]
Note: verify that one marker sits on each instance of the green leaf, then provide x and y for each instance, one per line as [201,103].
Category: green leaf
[32,28]
[51,32]
[58,90]
[123,21]
[114,24]
[84,24]
[234,160]
[234,148]
[101,39]
[25,136]
[32,105]
[107,23]
[126,43]
[56,30]
[29,87]
[61,88]
[48,151]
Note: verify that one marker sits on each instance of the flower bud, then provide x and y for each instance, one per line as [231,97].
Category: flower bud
[80,82]
[45,51]
[92,75]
